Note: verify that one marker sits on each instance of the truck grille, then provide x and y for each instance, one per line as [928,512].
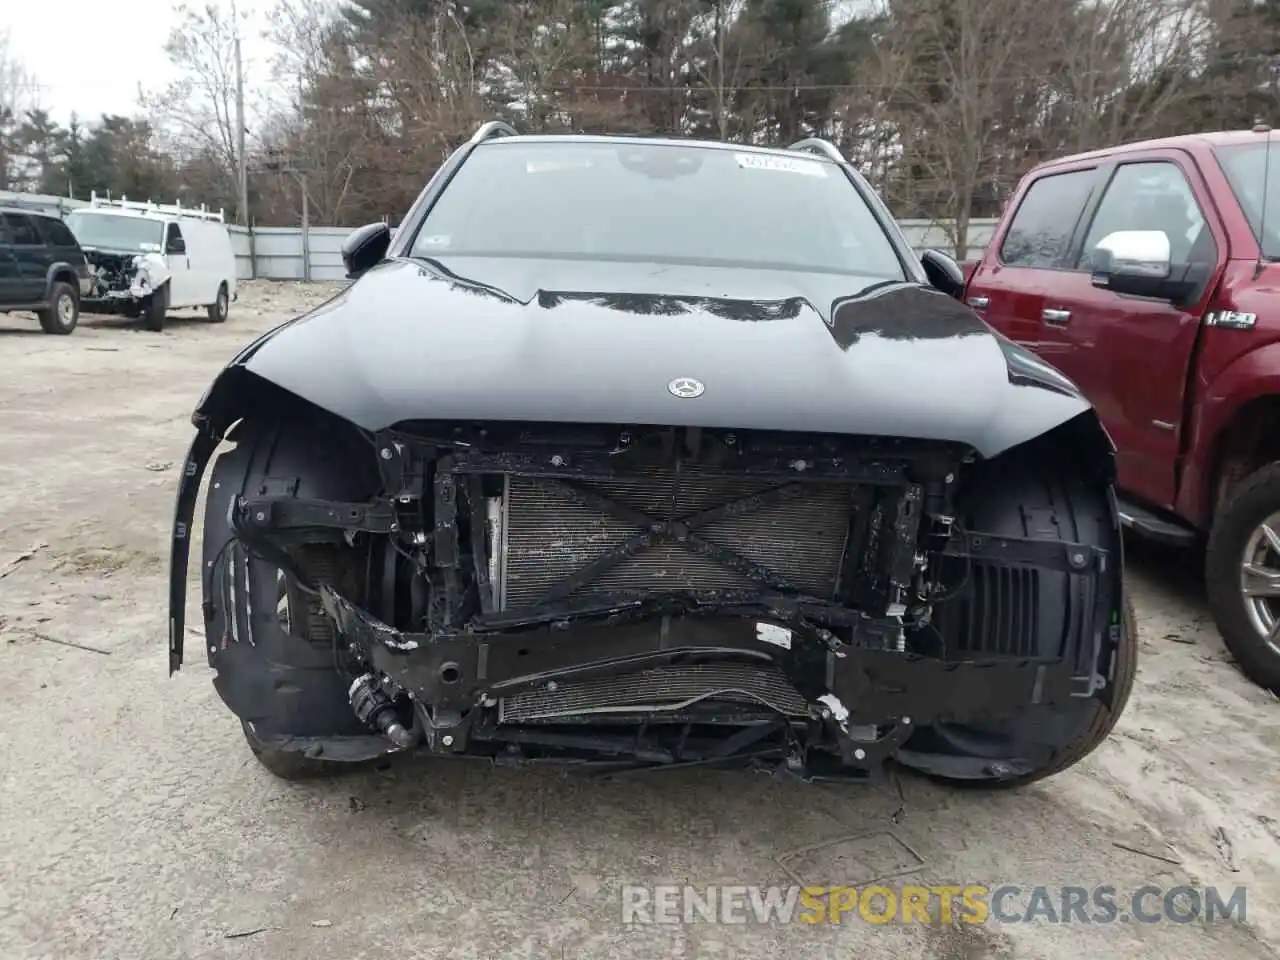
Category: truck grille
[549,536]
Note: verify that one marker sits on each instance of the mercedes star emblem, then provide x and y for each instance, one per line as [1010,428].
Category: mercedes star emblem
[686,388]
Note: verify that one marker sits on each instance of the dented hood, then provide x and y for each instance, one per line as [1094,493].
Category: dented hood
[545,340]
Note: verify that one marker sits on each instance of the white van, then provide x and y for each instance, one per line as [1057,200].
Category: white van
[147,259]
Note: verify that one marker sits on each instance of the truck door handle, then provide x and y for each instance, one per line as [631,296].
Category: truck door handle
[979,303]
[1058,318]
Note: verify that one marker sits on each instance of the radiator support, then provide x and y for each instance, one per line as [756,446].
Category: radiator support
[686,528]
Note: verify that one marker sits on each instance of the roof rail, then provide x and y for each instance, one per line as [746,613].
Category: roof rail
[173,209]
[817,145]
[494,128]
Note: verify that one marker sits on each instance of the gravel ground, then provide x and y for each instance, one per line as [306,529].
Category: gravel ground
[134,824]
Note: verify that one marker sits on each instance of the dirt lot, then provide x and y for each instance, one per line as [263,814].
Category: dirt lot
[134,824]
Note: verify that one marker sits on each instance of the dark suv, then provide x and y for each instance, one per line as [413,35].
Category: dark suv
[42,269]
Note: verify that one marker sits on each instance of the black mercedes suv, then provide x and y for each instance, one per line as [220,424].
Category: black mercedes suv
[632,453]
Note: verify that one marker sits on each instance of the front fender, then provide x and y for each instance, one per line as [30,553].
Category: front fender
[232,395]
[61,266]
[151,272]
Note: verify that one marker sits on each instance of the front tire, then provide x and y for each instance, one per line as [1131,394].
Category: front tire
[1242,575]
[289,764]
[63,312]
[1101,721]
[1035,501]
[155,309]
[282,678]
[219,308]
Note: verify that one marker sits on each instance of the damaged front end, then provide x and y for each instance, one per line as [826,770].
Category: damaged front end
[648,597]
[123,283]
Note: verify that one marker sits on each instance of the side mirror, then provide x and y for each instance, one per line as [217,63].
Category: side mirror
[176,245]
[1137,262]
[943,272]
[365,247]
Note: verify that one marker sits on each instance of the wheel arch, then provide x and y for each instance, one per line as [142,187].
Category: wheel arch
[281,681]
[237,405]
[1245,441]
[61,272]
[1223,439]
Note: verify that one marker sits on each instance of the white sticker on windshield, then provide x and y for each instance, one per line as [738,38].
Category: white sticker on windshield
[550,166]
[765,161]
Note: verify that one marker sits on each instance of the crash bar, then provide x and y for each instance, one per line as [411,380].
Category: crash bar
[147,206]
[817,145]
[494,128]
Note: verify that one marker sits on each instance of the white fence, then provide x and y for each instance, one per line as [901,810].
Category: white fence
[282,253]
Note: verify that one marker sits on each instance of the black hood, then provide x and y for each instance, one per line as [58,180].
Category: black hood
[575,341]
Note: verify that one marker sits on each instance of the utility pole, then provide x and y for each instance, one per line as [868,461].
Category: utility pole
[241,159]
[306,225]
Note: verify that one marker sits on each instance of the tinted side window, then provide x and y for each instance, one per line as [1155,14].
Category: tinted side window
[21,231]
[173,234]
[55,232]
[1152,196]
[1040,232]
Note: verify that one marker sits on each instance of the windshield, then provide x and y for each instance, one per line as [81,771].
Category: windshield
[114,232]
[657,203]
[1244,166]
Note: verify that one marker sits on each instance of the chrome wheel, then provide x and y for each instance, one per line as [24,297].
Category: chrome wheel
[1260,580]
[66,309]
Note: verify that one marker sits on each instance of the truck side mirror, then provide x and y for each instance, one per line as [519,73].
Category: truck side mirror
[365,247]
[943,272]
[1137,262]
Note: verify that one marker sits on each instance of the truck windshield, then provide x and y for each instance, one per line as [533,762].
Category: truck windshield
[1246,168]
[113,232]
[657,203]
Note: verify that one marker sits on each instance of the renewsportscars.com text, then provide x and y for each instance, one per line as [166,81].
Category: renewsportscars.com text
[973,903]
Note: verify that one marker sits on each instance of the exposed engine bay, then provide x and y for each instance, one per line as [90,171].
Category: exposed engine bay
[650,597]
[123,282]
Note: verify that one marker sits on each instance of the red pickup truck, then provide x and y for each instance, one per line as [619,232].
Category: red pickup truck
[1150,275]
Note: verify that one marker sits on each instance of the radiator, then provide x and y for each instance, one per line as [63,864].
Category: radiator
[546,536]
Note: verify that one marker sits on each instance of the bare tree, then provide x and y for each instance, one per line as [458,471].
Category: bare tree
[723,58]
[967,59]
[19,93]
[540,50]
[1123,67]
[196,114]
[318,132]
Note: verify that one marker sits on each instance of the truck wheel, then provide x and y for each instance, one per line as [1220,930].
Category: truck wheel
[1024,501]
[218,309]
[1242,575]
[63,311]
[155,309]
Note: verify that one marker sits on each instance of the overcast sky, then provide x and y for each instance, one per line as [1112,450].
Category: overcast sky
[90,57]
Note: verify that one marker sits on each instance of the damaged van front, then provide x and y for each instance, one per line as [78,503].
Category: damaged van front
[127,266]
